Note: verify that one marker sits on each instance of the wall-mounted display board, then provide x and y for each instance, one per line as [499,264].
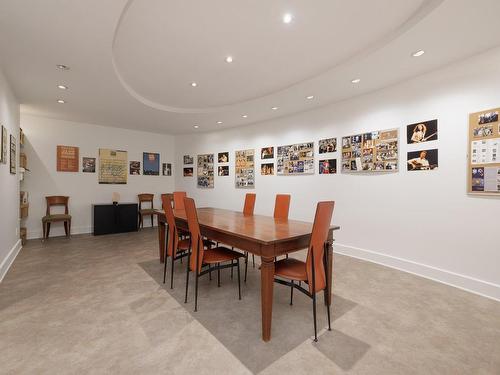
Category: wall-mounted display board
[3,145]
[369,152]
[483,170]
[327,145]
[150,164]
[424,131]
[223,157]
[188,159]
[67,159]
[245,169]
[112,166]
[296,159]
[205,171]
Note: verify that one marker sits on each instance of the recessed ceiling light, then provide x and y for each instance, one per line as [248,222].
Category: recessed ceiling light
[194,84]
[244,116]
[310,97]
[229,59]
[62,87]
[274,108]
[63,67]
[418,53]
[356,80]
[196,126]
[219,122]
[60,101]
[287,18]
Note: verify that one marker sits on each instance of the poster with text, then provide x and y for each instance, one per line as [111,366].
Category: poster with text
[150,164]
[67,159]
[112,166]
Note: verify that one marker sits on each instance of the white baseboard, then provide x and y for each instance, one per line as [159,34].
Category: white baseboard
[9,259]
[36,234]
[467,283]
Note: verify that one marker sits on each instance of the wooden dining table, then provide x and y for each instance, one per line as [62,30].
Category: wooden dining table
[264,236]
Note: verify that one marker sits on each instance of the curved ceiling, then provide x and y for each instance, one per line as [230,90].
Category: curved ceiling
[132,62]
[162,46]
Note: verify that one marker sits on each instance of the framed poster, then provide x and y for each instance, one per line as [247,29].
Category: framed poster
[205,171]
[3,146]
[422,160]
[419,132]
[296,159]
[166,169]
[112,166]
[245,169]
[150,164]
[267,153]
[376,151]
[483,167]
[13,157]
[135,168]
[267,169]
[328,166]
[88,165]
[223,170]
[327,145]
[67,159]
[188,159]
[188,172]
[223,157]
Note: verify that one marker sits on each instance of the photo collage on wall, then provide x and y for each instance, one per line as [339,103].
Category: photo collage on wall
[205,171]
[375,151]
[484,152]
[245,169]
[422,159]
[327,146]
[188,171]
[223,167]
[296,159]
[267,164]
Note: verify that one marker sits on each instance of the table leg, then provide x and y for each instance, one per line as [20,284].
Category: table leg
[161,240]
[266,295]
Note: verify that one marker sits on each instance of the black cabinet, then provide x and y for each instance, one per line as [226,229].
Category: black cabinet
[114,218]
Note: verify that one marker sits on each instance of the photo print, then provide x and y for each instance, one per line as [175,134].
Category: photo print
[88,165]
[267,153]
[205,171]
[478,179]
[245,169]
[188,172]
[346,142]
[150,164]
[223,157]
[327,145]
[135,168]
[13,156]
[481,131]
[188,159]
[422,160]
[328,166]
[487,117]
[267,169]
[296,159]
[223,170]
[166,169]
[422,132]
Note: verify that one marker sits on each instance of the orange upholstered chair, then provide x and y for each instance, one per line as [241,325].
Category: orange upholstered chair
[199,258]
[282,206]
[313,270]
[249,204]
[179,200]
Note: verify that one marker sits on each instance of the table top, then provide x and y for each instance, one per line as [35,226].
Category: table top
[263,229]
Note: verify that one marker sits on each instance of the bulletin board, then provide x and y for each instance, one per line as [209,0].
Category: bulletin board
[483,167]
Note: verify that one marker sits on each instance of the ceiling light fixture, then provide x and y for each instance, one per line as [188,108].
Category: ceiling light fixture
[62,87]
[63,67]
[310,97]
[274,108]
[244,116]
[418,53]
[196,126]
[229,59]
[60,101]
[219,122]
[356,80]
[194,84]
[287,18]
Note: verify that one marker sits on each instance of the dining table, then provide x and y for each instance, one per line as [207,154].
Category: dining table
[260,235]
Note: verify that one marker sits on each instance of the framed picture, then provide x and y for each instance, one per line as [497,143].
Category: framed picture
[13,161]
[245,169]
[188,159]
[422,132]
[267,153]
[88,165]
[327,145]
[205,171]
[150,164]
[223,157]
[135,168]
[328,166]
[223,170]
[166,169]
[188,172]
[67,159]
[296,159]
[112,166]
[267,169]
[423,160]
[3,146]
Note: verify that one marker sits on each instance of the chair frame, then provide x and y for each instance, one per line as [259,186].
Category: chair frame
[56,200]
[145,197]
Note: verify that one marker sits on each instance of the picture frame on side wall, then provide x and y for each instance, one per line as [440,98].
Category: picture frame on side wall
[150,164]
[3,146]
[13,160]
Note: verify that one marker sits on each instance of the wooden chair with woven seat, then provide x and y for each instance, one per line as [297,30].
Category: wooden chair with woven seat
[56,200]
[200,258]
[146,198]
[313,270]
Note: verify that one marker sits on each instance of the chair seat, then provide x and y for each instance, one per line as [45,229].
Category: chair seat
[220,254]
[56,217]
[291,269]
[147,211]
[183,245]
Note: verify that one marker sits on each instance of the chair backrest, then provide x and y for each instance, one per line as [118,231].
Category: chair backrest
[282,206]
[249,204]
[321,226]
[57,200]
[179,200]
[197,249]
[173,238]
[145,197]
[167,195]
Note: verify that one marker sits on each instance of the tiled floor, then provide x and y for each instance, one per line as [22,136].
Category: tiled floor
[98,305]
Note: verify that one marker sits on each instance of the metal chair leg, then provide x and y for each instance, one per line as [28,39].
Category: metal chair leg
[232,267]
[164,268]
[239,283]
[314,294]
[246,265]
[218,274]
[253,260]
[291,294]
[187,274]
[210,272]
[314,317]
[328,314]
[196,293]
[171,272]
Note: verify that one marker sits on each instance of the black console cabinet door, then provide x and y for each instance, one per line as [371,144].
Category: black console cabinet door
[109,218]
[127,217]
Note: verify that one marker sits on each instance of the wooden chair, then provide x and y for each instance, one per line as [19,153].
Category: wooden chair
[146,198]
[313,270]
[179,200]
[249,205]
[282,206]
[56,200]
[198,258]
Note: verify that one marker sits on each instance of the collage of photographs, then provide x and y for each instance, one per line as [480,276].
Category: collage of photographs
[422,159]
[245,169]
[296,159]
[484,152]
[205,171]
[376,151]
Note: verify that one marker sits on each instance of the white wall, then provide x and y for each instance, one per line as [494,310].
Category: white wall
[422,222]
[42,137]
[9,183]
